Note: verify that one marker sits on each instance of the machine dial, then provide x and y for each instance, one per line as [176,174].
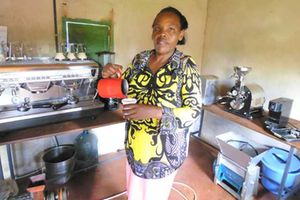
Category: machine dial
[234,93]
[16,100]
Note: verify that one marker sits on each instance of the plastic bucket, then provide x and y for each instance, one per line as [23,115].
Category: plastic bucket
[273,165]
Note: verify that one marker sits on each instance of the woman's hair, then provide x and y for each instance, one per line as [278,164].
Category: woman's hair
[183,22]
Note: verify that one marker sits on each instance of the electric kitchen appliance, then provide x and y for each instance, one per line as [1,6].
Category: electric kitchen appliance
[279,112]
[277,120]
[43,91]
[209,88]
[236,167]
[244,100]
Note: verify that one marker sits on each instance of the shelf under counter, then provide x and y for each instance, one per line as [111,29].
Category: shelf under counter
[104,118]
[256,124]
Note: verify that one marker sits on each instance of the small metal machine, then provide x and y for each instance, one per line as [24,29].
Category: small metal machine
[236,167]
[241,182]
[244,100]
[41,91]
[279,112]
[278,117]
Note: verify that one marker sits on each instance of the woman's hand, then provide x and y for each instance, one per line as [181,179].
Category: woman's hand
[141,111]
[111,71]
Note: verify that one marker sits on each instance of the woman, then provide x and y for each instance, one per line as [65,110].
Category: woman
[167,87]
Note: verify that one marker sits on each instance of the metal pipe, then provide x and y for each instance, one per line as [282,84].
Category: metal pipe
[55,25]
[10,161]
[56,141]
[201,122]
[1,170]
[285,173]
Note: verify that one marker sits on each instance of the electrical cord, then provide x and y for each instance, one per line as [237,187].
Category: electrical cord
[292,125]
[37,171]
[115,195]
[173,188]
[243,144]
[180,193]
[186,186]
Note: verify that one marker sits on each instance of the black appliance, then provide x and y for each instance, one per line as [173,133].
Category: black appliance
[279,111]
[277,120]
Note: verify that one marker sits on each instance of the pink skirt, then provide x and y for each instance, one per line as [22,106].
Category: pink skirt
[148,189]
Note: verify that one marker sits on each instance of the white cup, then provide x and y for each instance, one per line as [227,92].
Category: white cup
[59,56]
[82,56]
[128,101]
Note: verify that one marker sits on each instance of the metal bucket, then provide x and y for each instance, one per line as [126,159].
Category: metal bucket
[59,162]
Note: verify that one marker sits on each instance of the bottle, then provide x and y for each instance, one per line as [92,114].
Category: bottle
[86,145]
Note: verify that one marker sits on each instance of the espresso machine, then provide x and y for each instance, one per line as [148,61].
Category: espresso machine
[45,91]
[244,100]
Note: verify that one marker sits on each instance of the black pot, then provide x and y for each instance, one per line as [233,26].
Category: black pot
[59,163]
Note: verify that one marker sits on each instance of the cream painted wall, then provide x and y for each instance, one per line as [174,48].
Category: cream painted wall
[30,22]
[263,35]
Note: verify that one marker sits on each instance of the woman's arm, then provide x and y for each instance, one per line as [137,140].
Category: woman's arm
[191,97]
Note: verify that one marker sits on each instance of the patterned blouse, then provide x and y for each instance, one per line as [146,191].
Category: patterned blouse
[156,148]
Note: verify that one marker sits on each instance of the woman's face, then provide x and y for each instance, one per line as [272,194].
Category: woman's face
[166,32]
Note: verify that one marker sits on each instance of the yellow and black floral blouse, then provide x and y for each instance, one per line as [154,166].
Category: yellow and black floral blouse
[155,148]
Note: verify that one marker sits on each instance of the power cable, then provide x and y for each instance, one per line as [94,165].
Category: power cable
[115,195]
[187,186]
